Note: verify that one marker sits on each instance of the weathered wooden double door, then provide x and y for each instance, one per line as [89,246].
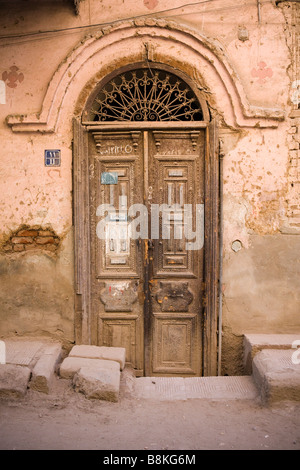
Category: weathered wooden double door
[146,200]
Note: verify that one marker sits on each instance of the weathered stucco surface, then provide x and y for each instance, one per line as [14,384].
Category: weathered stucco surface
[248,84]
[37,293]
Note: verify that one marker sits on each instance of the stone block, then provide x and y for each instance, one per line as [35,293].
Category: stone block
[14,380]
[100,352]
[253,343]
[71,365]
[276,375]
[43,372]
[102,383]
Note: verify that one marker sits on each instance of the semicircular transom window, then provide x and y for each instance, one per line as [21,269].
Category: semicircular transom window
[146,95]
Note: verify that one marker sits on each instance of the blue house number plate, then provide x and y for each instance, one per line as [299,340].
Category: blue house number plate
[52,158]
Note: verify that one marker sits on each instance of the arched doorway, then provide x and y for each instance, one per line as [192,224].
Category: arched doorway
[146,221]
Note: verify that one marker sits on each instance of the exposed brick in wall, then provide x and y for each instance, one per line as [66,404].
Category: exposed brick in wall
[32,238]
[292,15]
[293,194]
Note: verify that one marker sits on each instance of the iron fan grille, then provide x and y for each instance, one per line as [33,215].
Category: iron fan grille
[146,95]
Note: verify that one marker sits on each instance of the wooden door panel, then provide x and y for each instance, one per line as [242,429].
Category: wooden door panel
[174,341]
[117,254]
[116,167]
[176,175]
[174,186]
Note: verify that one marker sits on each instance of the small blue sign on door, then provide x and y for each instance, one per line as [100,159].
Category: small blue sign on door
[109,177]
[52,158]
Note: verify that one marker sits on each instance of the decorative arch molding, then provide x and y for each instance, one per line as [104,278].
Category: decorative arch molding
[148,40]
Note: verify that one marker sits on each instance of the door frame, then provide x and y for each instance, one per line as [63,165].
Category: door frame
[211,228]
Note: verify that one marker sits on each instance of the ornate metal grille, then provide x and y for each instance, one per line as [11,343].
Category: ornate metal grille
[145,95]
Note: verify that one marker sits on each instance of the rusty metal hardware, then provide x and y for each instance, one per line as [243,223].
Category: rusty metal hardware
[150,244]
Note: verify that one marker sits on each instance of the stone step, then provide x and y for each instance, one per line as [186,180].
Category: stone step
[71,365]
[212,388]
[99,352]
[253,343]
[95,378]
[277,375]
[95,370]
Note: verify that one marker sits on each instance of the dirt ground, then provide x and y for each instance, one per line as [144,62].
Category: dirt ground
[66,420]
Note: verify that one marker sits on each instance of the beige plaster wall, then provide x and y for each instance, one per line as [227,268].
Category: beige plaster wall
[260,288]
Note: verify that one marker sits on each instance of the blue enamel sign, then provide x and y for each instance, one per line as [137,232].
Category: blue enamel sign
[52,158]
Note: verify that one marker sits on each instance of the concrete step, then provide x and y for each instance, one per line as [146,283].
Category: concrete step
[277,375]
[212,388]
[253,343]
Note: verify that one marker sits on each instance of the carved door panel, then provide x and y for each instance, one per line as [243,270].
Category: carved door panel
[173,320]
[146,294]
[116,169]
